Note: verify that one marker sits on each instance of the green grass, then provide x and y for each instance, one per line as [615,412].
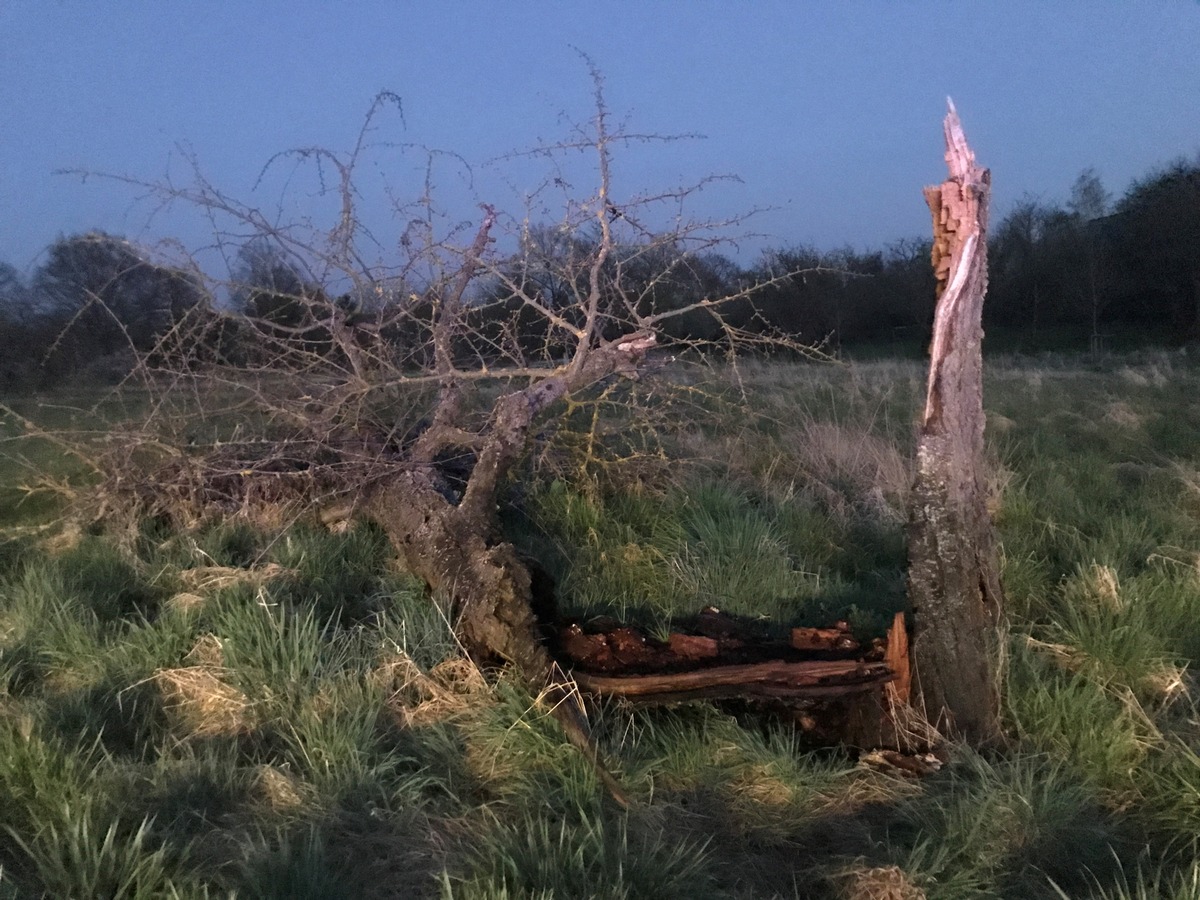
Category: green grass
[580,855]
[236,712]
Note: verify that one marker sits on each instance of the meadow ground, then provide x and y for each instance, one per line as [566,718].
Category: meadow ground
[233,711]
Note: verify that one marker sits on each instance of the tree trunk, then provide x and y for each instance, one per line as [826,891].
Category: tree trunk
[953,579]
[452,546]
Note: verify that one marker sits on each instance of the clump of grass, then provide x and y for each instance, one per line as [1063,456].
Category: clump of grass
[518,754]
[1101,631]
[340,745]
[340,577]
[850,470]
[732,556]
[192,791]
[1104,734]
[76,854]
[294,865]
[15,551]
[414,625]
[776,789]
[1007,828]
[581,855]
[653,560]
[274,654]
[64,825]
[1170,792]
[1163,881]
[107,583]
[876,883]
[207,579]
[447,692]
[764,784]
[203,703]
[609,555]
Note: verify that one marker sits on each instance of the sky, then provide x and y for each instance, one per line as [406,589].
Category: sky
[829,113]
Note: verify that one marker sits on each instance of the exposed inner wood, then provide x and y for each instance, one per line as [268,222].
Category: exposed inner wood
[728,661]
[953,578]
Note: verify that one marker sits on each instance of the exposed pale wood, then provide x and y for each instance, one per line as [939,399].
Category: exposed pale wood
[896,659]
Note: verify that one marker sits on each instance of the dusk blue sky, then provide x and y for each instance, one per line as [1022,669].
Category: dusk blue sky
[830,113]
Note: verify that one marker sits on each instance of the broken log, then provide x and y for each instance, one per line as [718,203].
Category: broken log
[777,680]
[818,664]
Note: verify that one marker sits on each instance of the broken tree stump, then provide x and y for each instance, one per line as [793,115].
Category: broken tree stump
[897,659]
[953,577]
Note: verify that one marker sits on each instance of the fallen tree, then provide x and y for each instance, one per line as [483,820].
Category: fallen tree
[405,394]
[409,400]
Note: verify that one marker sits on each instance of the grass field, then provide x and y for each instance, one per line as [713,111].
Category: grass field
[283,714]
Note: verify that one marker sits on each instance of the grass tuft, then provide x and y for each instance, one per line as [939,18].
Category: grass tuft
[582,855]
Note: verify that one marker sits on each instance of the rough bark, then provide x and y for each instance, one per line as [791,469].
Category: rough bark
[479,580]
[953,578]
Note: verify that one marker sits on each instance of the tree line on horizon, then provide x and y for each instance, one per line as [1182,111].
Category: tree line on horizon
[1090,268]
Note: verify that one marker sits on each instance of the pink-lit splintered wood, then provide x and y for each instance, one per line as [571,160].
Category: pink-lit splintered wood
[953,580]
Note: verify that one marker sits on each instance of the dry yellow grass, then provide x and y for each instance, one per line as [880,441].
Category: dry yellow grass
[207,651]
[203,579]
[418,698]
[831,453]
[1122,415]
[769,801]
[845,467]
[203,704]
[1166,682]
[185,602]
[199,700]
[278,789]
[881,883]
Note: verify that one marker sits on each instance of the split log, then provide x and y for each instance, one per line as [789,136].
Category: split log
[776,680]
[953,578]
[621,661]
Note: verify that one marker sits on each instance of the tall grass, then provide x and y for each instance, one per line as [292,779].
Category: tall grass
[238,711]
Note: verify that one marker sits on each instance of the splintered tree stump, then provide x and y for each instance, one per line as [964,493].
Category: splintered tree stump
[953,578]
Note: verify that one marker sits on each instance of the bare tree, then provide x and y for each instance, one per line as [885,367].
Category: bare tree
[409,398]
[1089,203]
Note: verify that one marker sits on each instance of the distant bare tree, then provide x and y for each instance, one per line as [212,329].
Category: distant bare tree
[107,297]
[1159,242]
[1089,202]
